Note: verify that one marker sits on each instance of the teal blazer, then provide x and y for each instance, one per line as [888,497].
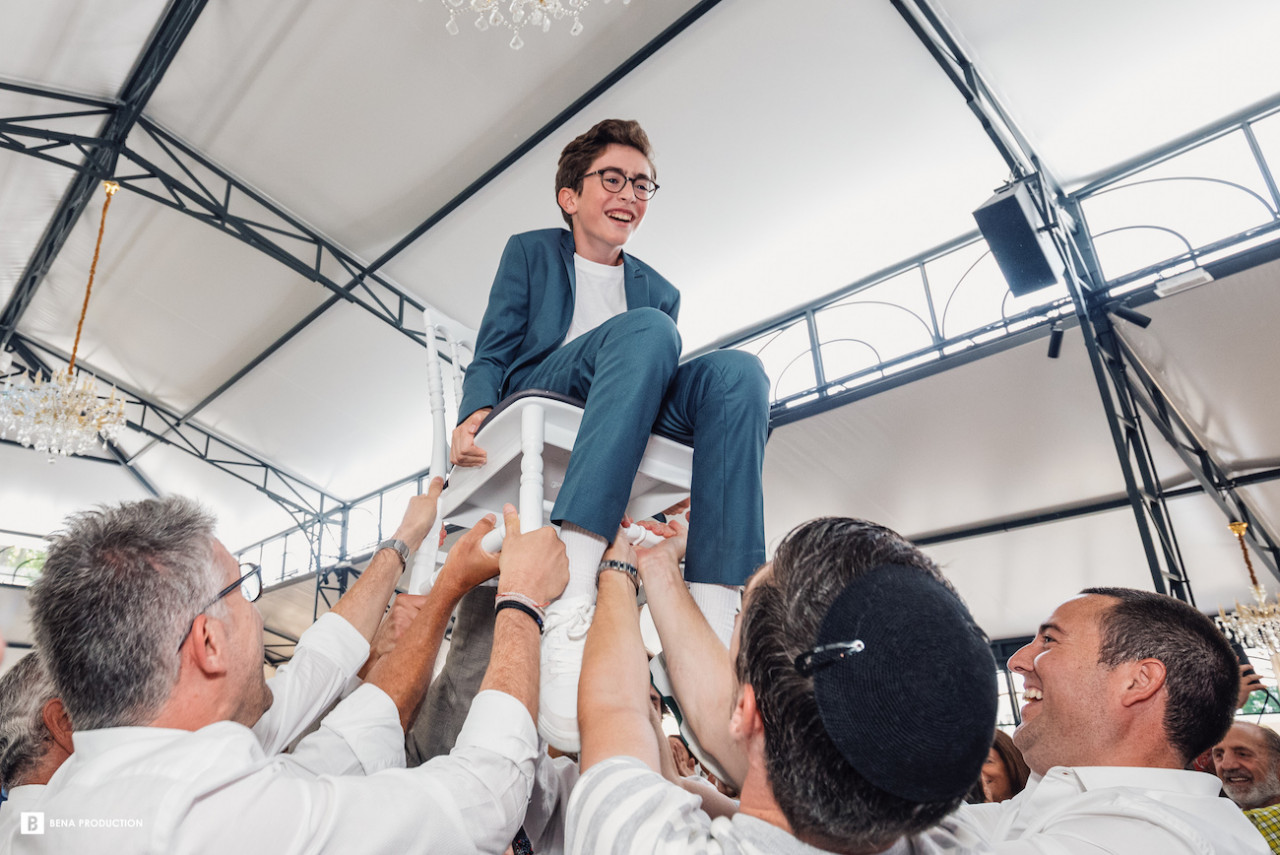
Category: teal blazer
[531,307]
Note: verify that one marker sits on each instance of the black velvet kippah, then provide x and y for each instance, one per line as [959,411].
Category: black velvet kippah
[905,684]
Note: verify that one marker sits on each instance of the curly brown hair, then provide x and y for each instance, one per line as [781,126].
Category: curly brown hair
[582,151]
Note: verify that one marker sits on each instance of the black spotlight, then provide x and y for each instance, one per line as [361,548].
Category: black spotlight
[1055,341]
[1135,318]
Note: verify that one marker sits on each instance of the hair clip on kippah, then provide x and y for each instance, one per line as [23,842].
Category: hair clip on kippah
[825,654]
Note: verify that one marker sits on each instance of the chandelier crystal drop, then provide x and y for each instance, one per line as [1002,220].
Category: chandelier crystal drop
[64,414]
[515,15]
[1257,625]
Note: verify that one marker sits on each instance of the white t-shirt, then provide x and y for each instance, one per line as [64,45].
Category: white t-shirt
[599,295]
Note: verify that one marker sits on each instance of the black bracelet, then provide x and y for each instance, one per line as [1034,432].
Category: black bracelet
[515,604]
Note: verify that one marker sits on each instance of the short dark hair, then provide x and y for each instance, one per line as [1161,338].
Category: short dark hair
[581,152]
[1201,672]
[825,800]
[119,588]
[24,739]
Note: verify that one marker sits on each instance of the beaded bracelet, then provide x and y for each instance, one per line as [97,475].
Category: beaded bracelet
[622,567]
[516,604]
[526,599]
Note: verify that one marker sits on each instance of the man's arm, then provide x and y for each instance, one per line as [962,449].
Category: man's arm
[365,603]
[533,564]
[502,331]
[697,662]
[405,672]
[332,650]
[613,691]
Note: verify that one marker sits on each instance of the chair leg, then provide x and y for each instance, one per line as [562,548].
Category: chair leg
[532,434]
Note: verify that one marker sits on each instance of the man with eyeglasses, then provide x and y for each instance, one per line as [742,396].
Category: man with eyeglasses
[572,313]
[156,651]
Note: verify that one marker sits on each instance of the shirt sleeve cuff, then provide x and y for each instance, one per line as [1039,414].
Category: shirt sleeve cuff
[493,712]
[369,722]
[334,637]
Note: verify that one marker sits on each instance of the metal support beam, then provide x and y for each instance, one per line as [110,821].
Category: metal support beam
[100,156]
[1146,391]
[304,501]
[1164,559]
[1084,509]
[191,183]
[333,580]
[630,64]
[1084,283]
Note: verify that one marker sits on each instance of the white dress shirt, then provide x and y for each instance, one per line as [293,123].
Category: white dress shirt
[167,792]
[20,799]
[325,659]
[1092,810]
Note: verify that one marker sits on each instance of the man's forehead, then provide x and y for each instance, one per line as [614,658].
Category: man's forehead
[1078,614]
[223,557]
[1243,733]
[615,155]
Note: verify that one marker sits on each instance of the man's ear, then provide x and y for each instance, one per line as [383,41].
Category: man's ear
[745,721]
[568,200]
[209,645]
[58,723]
[1141,680]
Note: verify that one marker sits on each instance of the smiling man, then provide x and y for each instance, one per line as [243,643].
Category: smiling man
[572,313]
[1123,688]
[1248,762]
[155,648]
[837,639]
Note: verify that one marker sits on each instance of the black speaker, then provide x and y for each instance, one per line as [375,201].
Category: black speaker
[1011,227]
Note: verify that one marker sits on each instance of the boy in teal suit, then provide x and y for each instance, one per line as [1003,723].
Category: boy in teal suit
[572,313]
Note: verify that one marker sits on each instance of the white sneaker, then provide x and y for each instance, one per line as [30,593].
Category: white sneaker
[564,636]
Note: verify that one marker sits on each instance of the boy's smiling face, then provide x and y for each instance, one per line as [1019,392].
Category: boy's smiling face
[603,222]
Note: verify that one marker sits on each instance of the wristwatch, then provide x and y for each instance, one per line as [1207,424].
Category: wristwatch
[401,548]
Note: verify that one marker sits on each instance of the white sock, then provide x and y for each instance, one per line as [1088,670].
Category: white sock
[719,605]
[585,549]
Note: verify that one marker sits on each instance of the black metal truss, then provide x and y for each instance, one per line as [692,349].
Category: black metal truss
[1083,509]
[364,287]
[1147,393]
[946,51]
[191,183]
[273,651]
[607,82]
[99,155]
[1084,283]
[304,501]
[1159,542]
[333,580]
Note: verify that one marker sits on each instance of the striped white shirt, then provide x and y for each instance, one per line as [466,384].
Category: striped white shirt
[622,806]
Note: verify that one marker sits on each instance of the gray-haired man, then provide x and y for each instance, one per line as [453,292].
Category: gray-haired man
[158,658]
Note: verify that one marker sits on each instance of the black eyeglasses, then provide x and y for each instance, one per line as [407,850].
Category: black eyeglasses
[250,585]
[615,179]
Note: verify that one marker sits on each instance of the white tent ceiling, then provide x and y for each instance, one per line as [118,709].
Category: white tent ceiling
[800,149]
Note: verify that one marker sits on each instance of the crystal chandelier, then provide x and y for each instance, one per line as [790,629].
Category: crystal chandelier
[518,15]
[1257,625]
[63,415]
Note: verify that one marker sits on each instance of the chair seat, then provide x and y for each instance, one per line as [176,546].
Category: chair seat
[662,479]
